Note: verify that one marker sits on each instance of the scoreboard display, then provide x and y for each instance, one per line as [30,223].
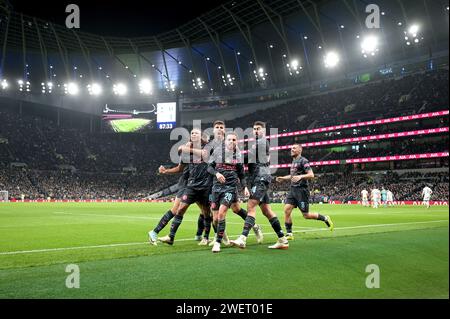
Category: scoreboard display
[166,115]
[140,118]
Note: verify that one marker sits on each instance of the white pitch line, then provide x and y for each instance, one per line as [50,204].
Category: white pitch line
[190,239]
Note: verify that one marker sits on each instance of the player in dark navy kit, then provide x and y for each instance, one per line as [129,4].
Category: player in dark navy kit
[298,196]
[167,217]
[218,142]
[197,189]
[226,165]
[259,179]
[195,158]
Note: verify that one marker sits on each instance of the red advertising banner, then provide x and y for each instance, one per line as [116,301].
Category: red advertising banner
[372,159]
[360,124]
[364,138]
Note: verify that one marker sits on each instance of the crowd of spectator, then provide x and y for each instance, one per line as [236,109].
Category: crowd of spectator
[394,97]
[68,163]
[348,186]
[64,185]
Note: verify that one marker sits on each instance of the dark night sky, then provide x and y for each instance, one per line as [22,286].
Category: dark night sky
[120,18]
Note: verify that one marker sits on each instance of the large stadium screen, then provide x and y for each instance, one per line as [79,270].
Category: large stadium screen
[140,118]
[166,118]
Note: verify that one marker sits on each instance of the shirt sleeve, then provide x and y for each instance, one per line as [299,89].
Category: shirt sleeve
[306,165]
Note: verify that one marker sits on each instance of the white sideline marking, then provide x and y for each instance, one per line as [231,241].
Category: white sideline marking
[190,239]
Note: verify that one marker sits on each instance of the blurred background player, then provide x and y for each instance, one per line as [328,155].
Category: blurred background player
[365,198]
[426,193]
[258,159]
[301,173]
[383,196]
[227,168]
[376,197]
[390,198]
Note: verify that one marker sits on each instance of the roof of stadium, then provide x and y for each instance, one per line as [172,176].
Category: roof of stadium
[236,46]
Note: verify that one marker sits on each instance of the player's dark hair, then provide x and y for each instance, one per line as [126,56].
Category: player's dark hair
[259,123]
[231,133]
[218,122]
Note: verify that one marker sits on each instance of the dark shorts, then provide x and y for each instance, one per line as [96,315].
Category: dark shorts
[191,196]
[180,192]
[223,198]
[260,192]
[299,198]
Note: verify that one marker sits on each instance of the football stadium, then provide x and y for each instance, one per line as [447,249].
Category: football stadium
[247,149]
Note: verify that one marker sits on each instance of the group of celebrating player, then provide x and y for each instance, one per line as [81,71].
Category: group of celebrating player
[211,175]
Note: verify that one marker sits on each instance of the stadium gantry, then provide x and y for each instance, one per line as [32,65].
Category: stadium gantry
[239,46]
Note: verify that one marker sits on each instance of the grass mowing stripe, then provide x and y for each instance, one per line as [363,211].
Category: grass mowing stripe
[189,239]
[152,218]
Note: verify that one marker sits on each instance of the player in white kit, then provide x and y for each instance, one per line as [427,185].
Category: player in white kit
[390,198]
[365,197]
[426,193]
[376,197]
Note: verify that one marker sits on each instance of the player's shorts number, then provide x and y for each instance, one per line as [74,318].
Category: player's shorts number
[228,197]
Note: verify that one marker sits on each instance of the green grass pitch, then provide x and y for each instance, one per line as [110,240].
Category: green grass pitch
[108,241]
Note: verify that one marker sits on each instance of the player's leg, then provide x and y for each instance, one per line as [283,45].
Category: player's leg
[166,218]
[267,211]
[290,205]
[188,198]
[236,208]
[200,225]
[214,204]
[208,222]
[304,208]
[203,200]
[288,208]
[249,222]
[220,227]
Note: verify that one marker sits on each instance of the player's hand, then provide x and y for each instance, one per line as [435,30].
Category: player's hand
[162,170]
[221,178]
[279,179]
[296,179]
[246,192]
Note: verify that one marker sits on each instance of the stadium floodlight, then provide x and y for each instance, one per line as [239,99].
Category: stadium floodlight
[71,88]
[414,29]
[4,84]
[295,64]
[411,35]
[120,89]
[170,86]
[22,83]
[369,46]
[331,59]
[145,87]
[95,89]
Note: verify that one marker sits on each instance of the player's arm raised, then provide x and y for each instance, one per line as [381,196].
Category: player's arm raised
[281,179]
[188,149]
[171,171]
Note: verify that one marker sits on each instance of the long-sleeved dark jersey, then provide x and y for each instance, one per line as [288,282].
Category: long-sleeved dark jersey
[198,172]
[258,160]
[230,165]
